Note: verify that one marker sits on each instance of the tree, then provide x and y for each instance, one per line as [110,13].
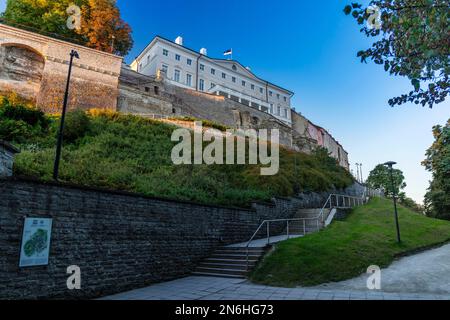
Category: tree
[437,199]
[379,178]
[101,27]
[413,40]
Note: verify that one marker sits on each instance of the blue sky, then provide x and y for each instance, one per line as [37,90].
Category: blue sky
[311,50]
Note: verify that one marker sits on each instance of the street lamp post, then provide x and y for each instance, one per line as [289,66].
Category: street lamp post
[357,172]
[361,174]
[390,165]
[73,54]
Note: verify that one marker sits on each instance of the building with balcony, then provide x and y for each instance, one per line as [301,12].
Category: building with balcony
[194,70]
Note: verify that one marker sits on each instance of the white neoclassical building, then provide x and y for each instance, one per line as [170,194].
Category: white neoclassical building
[187,68]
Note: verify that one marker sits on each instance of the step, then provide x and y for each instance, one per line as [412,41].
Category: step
[242,266]
[228,261]
[236,256]
[204,274]
[222,271]
[253,251]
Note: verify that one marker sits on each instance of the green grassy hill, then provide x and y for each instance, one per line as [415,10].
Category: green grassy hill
[107,149]
[347,248]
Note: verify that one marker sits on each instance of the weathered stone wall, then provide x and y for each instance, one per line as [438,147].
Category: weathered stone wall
[7,152]
[119,240]
[36,66]
[140,94]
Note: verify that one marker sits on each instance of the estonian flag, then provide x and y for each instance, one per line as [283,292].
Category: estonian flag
[228,52]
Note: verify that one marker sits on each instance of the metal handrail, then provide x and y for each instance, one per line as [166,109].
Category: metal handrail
[351,199]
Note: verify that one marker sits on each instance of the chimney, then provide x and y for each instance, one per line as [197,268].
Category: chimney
[179,40]
[203,51]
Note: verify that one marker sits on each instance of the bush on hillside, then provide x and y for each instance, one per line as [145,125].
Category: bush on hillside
[130,153]
[19,122]
[76,125]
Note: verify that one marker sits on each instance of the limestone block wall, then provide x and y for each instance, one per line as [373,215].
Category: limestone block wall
[7,152]
[95,76]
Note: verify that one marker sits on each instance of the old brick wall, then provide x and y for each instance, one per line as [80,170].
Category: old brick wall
[120,241]
[36,66]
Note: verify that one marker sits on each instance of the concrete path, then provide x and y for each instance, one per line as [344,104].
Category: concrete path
[208,288]
[427,272]
[425,276]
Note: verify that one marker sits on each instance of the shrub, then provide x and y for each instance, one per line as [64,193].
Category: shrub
[76,125]
[20,122]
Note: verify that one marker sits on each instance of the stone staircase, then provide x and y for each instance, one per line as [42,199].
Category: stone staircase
[230,262]
[308,226]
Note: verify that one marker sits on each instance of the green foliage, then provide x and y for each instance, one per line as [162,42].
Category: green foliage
[346,248]
[131,153]
[100,22]
[437,199]
[76,125]
[412,41]
[19,122]
[380,178]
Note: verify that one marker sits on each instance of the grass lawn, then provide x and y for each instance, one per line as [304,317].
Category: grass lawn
[347,248]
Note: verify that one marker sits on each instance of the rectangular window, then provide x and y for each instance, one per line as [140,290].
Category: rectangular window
[165,68]
[271,108]
[189,62]
[165,52]
[212,85]
[176,76]
[233,79]
[202,67]
[285,99]
[278,111]
[213,71]
[224,76]
[270,93]
[278,96]
[261,90]
[189,80]
[177,57]
[286,113]
[202,85]
[253,87]
[243,83]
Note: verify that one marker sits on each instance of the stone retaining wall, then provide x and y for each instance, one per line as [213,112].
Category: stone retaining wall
[120,241]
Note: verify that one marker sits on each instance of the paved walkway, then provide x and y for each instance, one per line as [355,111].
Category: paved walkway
[208,288]
[422,276]
[426,272]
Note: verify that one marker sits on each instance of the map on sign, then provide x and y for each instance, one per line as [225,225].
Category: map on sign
[35,246]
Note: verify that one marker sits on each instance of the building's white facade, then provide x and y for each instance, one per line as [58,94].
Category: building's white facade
[186,68]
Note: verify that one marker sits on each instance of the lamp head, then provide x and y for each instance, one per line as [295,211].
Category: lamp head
[74,54]
[390,164]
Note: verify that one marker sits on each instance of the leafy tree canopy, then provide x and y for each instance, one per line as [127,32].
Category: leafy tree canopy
[379,178]
[412,40]
[437,199]
[101,26]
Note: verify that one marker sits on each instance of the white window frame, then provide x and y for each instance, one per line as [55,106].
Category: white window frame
[176,75]
[188,79]
[201,85]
